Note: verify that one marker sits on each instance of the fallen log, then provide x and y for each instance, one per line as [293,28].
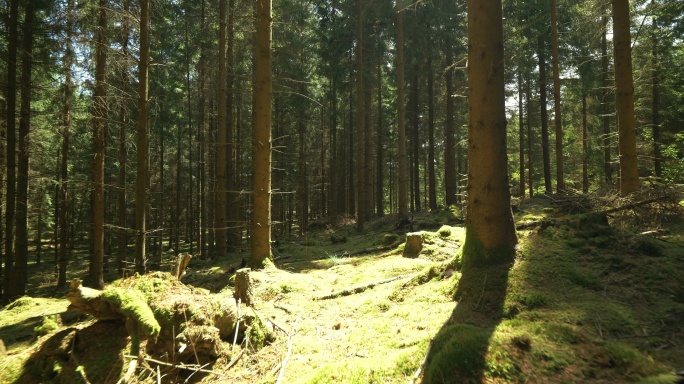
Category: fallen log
[176,320]
[600,216]
[360,288]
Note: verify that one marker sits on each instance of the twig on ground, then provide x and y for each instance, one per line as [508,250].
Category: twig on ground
[176,366]
[235,359]
[360,288]
[419,371]
[275,325]
[289,351]
[284,308]
[237,325]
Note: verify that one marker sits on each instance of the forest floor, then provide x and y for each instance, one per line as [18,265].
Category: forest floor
[584,302]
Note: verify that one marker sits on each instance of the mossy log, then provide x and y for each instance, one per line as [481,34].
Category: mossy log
[176,319]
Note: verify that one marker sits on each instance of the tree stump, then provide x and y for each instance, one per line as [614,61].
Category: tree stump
[181,264]
[243,286]
[414,244]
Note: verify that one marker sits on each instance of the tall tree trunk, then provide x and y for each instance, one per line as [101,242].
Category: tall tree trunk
[585,145]
[221,185]
[39,230]
[624,84]
[360,137]
[544,116]
[64,166]
[490,230]
[432,183]
[450,176]
[9,291]
[173,235]
[142,139]
[303,188]
[233,233]
[521,135]
[560,178]
[97,261]
[333,194]
[415,137]
[607,162]
[379,174]
[368,155]
[122,246]
[261,225]
[655,108]
[202,137]
[21,236]
[401,122]
[530,163]
[190,217]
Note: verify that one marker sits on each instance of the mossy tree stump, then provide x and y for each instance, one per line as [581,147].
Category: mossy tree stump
[243,286]
[414,244]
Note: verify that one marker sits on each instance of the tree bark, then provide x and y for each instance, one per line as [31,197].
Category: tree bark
[490,230]
[97,262]
[401,122]
[123,156]
[624,84]
[530,170]
[261,218]
[233,232]
[415,120]
[432,183]
[607,166]
[21,235]
[142,139]
[379,173]
[521,136]
[544,116]
[655,108]
[202,137]
[360,137]
[585,145]
[11,189]
[450,176]
[63,170]
[221,186]
[560,181]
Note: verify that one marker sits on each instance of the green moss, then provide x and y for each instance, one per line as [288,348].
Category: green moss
[258,334]
[133,305]
[474,252]
[583,278]
[444,231]
[630,359]
[49,324]
[390,238]
[648,246]
[458,353]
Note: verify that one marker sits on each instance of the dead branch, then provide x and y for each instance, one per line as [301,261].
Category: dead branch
[360,288]
[636,204]
[419,371]
[290,336]
[194,368]
[372,250]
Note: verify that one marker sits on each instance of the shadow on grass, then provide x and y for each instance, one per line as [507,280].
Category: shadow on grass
[459,350]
